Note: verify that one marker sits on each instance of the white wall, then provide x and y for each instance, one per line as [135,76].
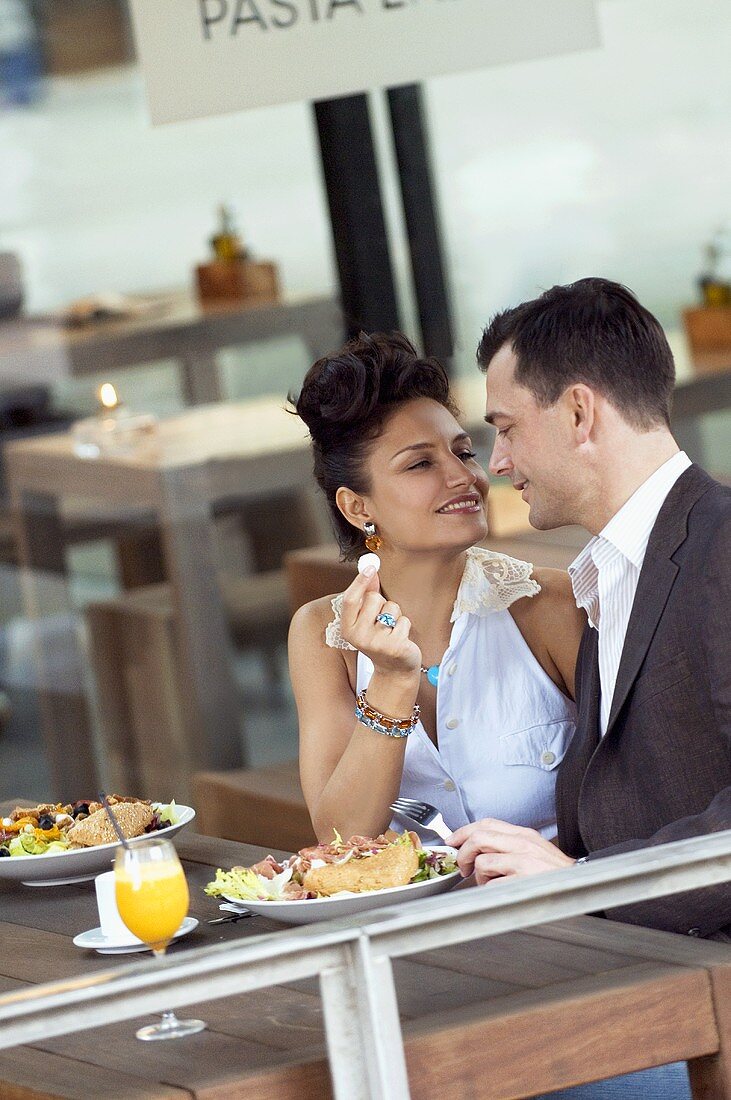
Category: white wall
[93,198]
[616,162]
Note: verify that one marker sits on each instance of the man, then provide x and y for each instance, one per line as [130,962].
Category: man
[579,386]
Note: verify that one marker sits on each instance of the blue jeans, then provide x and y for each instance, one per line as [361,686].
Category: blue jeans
[660,1083]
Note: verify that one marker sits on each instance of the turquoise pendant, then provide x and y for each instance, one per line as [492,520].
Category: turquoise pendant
[432,675]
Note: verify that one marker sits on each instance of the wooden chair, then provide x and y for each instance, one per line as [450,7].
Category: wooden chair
[144,741]
[314,572]
[258,805]
[266,805]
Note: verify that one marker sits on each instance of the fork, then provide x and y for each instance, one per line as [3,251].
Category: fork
[234,913]
[421,813]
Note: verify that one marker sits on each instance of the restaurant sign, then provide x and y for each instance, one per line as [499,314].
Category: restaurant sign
[207,57]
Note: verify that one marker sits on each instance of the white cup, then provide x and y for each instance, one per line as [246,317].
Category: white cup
[111,924]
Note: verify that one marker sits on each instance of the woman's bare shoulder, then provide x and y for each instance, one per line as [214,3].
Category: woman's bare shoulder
[552,625]
[555,585]
[310,620]
[311,660]
[554,603]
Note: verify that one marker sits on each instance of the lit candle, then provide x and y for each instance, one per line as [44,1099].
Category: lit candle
[107,396]
[113,429]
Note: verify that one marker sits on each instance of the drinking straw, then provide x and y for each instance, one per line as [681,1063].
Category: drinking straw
[112,818]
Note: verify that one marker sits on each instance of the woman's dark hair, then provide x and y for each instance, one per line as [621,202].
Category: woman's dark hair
[592,331]
[345,401]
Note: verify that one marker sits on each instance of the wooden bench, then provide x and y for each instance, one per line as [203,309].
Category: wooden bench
[316,571]
[145,745]
[266,806]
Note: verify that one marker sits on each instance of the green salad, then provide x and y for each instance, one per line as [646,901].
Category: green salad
[43,830]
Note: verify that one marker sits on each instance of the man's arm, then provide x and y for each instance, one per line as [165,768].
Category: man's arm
[698,912]
[495,849]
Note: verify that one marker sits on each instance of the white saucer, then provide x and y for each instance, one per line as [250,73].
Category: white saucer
[94,940]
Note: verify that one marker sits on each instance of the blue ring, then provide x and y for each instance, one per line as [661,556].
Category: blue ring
[386,619]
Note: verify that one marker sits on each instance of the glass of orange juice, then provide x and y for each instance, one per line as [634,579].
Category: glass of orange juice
[152,899]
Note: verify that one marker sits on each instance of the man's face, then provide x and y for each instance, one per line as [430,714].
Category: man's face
[533,445]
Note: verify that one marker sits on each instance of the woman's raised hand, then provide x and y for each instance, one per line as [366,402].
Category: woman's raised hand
[390,648]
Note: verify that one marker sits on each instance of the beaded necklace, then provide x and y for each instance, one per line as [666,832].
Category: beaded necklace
[432,674]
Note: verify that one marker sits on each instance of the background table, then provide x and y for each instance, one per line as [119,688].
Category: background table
[179,327]
[206,456]
[502,1017]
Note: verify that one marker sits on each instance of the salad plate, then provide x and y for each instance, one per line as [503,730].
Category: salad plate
[345,904]
[79,864]
[95,940]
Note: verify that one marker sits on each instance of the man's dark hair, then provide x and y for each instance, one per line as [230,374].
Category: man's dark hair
[592,331]
[346,400]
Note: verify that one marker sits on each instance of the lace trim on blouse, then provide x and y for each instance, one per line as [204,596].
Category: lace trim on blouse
[490,582]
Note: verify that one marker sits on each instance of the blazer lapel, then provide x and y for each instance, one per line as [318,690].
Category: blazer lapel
[582,748]
[589,699]
[656,580]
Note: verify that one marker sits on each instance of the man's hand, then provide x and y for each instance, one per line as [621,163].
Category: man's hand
[494,849]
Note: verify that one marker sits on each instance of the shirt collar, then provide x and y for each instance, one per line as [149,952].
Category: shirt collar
[629,529]
[585,582]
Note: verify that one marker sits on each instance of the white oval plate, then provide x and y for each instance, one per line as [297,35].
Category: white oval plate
[96,941]
[343,905]
[78,864]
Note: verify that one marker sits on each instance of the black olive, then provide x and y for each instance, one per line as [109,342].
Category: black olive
[82,808]
[4,852]
[46,822]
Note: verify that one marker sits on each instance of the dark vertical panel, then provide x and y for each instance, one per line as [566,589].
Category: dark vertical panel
[421,216]
[356,212]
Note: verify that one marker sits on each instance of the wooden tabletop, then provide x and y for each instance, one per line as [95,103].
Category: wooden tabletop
[260,427]
[175,325]
[501,1017]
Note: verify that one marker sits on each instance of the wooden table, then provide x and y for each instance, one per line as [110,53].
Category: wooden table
[179,327]
[507,1016]
[225,452]
[206,456]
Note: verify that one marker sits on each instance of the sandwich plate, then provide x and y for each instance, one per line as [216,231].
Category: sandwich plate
[78,864]
[345,904]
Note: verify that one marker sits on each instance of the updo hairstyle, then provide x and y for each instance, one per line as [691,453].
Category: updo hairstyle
[345,402]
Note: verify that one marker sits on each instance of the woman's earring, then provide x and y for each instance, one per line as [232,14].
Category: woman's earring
[373,541]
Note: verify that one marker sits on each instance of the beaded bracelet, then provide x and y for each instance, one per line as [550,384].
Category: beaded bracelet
[382,723]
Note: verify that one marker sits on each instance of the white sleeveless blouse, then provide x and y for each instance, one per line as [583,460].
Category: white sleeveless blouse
[503,726]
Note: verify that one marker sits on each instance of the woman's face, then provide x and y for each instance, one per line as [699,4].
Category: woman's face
[427,490]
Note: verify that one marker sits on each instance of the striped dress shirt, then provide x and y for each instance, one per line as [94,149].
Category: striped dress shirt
[605,574]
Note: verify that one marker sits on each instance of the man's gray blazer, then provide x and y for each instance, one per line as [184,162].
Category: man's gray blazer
[662,771]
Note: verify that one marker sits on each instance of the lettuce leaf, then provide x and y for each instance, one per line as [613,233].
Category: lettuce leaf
[168,815]
[434,865]
[244,884]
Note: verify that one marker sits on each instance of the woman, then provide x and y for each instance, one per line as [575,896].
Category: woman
[448,675]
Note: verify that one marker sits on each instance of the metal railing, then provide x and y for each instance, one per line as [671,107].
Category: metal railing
[352,957]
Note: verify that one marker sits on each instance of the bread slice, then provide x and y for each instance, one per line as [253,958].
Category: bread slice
[395,865]
[133,818]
